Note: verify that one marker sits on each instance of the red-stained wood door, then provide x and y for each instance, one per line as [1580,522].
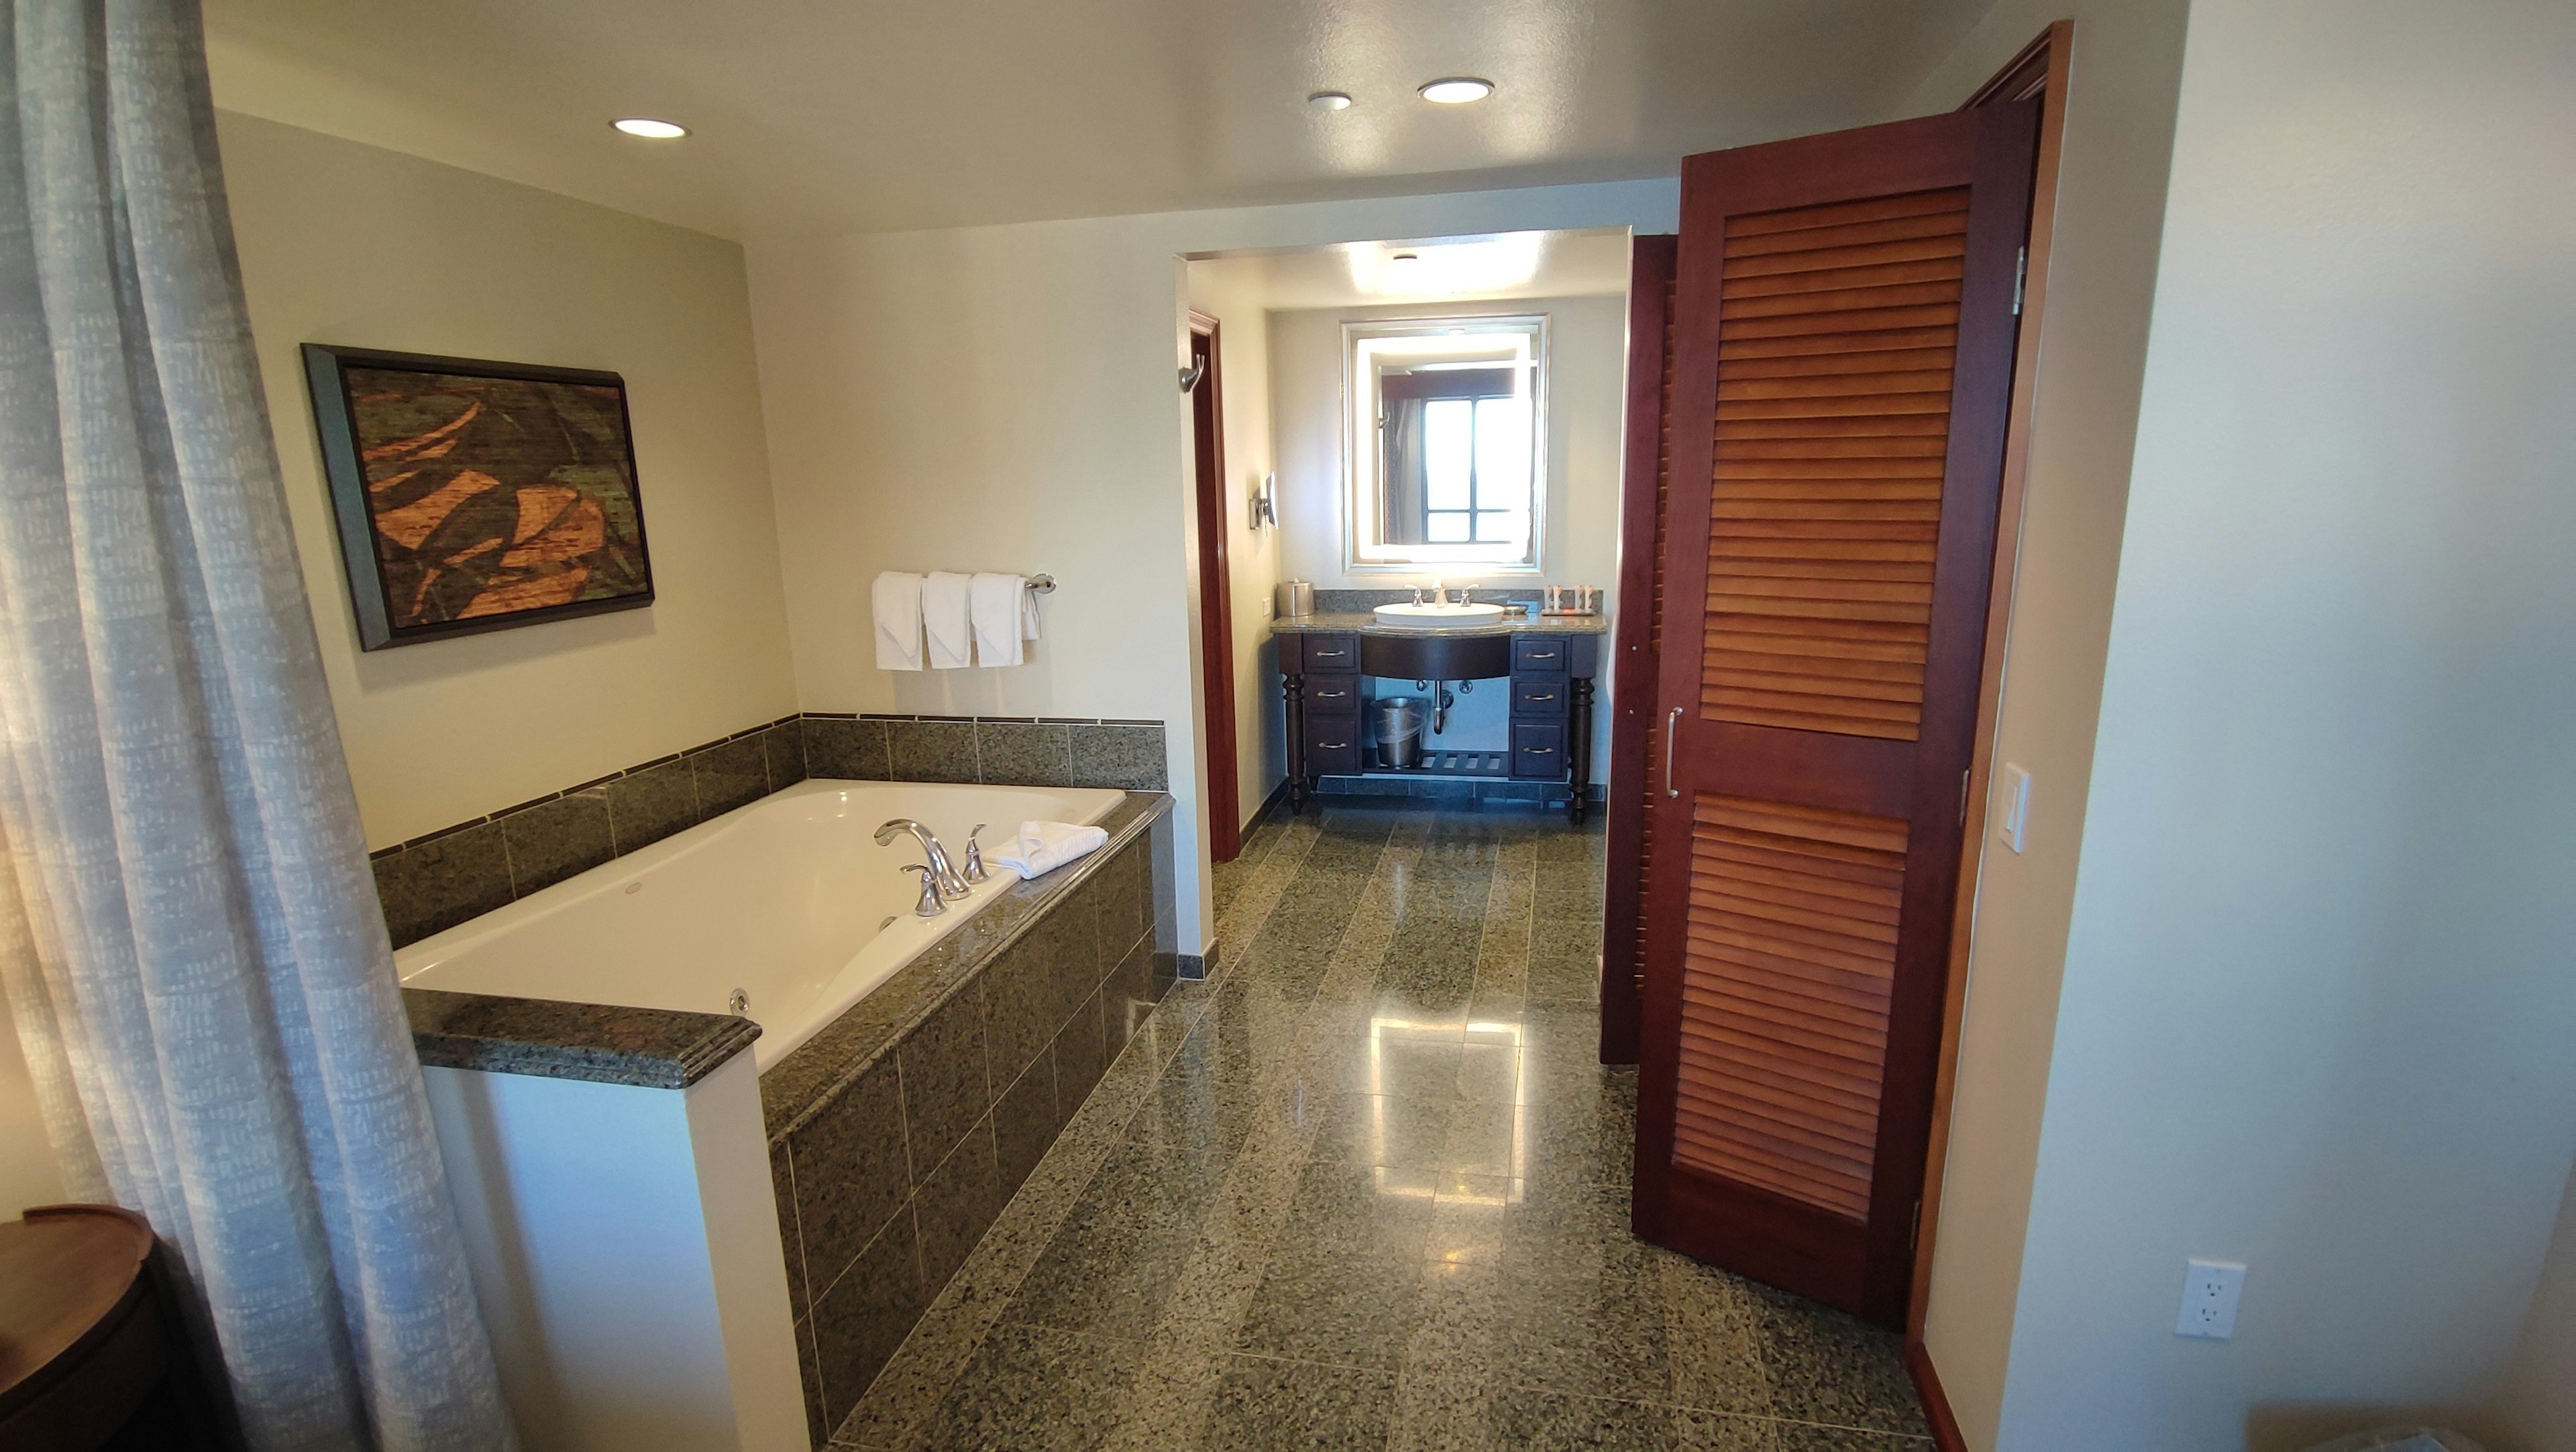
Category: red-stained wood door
[1844,317]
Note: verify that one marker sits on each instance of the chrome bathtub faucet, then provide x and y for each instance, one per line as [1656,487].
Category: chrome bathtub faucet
[975,856]
[931,904]
[942,871]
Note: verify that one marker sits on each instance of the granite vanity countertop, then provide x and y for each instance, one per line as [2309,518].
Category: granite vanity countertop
[1367,622]
[660,1048]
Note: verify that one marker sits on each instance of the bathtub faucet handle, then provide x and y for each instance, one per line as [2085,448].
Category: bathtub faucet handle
[931,904]
[942,872]
[975,855]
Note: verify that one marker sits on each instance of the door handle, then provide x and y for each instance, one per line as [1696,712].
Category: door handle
[1672,724]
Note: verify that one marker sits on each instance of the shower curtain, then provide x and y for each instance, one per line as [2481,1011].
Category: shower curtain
[188,931]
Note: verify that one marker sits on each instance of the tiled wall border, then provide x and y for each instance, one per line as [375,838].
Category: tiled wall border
[442,878]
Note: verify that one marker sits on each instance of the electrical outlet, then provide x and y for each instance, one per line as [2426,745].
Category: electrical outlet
[2209,1291]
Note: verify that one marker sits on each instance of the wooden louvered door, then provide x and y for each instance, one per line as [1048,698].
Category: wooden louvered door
[1842,373]
[1638,622]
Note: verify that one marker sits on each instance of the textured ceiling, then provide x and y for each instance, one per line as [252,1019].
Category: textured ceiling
[884,116]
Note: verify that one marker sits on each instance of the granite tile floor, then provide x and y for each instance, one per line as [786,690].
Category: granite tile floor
[1368,1189]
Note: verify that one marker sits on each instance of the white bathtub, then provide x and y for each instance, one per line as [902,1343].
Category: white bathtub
[789,899]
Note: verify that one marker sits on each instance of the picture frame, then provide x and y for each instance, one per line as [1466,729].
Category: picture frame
[474,495]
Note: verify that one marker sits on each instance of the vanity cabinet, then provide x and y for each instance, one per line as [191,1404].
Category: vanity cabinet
[1551,675]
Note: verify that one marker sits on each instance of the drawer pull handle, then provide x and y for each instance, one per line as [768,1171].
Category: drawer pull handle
[1333,746]
[1535,696]
[1541,655]
[1538,751]
[1330,654]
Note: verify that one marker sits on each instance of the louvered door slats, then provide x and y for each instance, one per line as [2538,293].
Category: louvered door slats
[1790,951]
[1833,394]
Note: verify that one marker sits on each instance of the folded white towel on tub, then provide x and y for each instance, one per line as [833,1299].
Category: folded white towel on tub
[943,616]
[895,601]
[993,605]
[1042,847]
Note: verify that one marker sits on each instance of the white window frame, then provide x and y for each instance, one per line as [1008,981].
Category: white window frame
[1363,452]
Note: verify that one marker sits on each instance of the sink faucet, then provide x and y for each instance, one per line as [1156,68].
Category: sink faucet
[941,870]
[1439,592]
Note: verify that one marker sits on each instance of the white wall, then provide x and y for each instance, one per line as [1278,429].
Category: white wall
[2127,59]
[1252,555]
[344,243]
[2316,991]
[1586,420]
[1003,397]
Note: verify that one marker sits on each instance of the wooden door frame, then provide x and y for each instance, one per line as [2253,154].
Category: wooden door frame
[1651,259]
[2042,68]
[1216,597]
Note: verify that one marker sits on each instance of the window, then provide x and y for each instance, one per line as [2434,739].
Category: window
[1446,435]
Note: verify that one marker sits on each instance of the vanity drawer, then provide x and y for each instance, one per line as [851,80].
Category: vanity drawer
[1538,695]
[1321,653]
[1332,694]
[1332,744]
[1532,653]
[1538,749]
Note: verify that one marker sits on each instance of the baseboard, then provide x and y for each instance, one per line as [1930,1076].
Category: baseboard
[1936,1402]
[1278,797]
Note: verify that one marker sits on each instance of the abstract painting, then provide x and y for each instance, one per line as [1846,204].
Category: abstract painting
[475,495]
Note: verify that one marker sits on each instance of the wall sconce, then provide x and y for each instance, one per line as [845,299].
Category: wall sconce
[1263,508]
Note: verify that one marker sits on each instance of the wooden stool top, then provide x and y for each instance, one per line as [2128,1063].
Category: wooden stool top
[70,1278]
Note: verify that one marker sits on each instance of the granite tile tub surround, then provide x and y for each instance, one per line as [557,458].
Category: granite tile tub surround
[992,750]
[435,881]
[442,878]
[899,1132]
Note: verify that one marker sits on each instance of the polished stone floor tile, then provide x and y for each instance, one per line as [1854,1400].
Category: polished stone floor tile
[1368,1188]
[1263,1405]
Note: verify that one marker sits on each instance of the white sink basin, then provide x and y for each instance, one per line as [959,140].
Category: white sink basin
[1440,614]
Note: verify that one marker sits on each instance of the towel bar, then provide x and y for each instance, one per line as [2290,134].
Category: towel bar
[1042,584]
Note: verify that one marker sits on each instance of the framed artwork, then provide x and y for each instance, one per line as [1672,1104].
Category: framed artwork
[477,496]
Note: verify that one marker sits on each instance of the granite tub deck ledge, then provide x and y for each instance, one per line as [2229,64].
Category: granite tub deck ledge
[601,1043]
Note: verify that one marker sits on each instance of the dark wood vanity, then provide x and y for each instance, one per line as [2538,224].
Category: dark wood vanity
[1551,662]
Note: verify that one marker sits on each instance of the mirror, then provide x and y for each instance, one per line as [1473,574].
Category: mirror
[1446,454]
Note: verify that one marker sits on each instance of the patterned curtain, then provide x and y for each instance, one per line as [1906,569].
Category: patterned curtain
[189,936]
[1401,477]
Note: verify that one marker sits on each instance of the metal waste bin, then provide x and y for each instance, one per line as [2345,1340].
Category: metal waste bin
[1399,732]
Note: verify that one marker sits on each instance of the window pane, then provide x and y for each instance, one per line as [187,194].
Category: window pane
[1449,528]
[1448,437]
[1506,525]
[1502,453]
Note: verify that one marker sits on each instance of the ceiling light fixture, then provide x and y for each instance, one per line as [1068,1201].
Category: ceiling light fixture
[1457,90]
[1330,101]
[650,129]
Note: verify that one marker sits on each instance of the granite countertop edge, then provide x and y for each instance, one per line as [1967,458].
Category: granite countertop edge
[1363,622]
[600,1043]
[809,1078]
[657,1048]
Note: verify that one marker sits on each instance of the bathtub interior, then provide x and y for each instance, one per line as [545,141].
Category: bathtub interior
[788,899]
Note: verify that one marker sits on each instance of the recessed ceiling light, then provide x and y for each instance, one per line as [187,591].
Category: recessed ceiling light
[1330,101]
[1457,90]
[646,126]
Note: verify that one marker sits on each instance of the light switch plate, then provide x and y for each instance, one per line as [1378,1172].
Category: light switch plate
[2209,1291]
[2012,805]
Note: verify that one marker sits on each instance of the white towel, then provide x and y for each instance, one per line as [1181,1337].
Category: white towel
[1042,847]
[943,615]
[895,599]
[1028,614]
[993,604]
